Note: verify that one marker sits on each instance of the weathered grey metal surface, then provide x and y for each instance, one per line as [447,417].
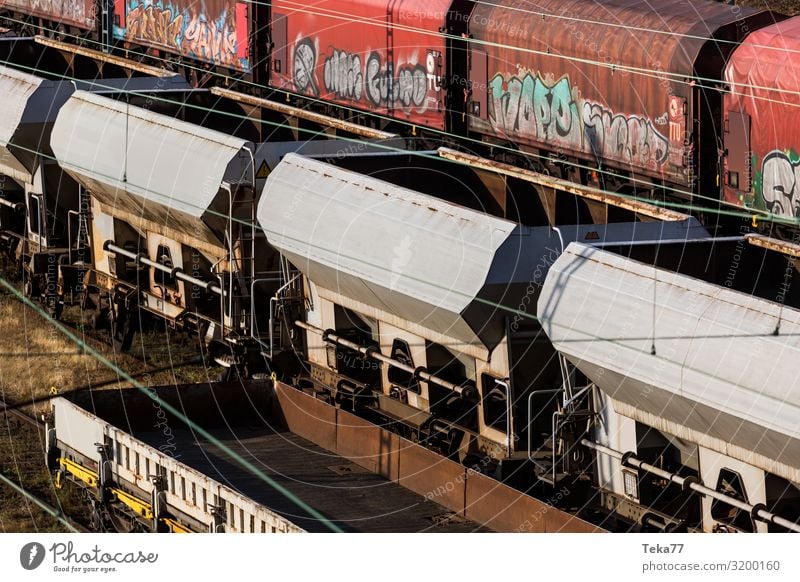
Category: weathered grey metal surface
[77,427]
[415,257]
[142,164]
[16,88]
[374,242]
[720,375]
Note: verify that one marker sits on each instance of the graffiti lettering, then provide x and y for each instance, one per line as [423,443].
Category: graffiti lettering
[68,11]
[155,25]
[343,75]
[530,106]
[213,42]
[780,179]
[629,139]
[551,112]
[350,76]
[206,33]
[408,89]
[305,60]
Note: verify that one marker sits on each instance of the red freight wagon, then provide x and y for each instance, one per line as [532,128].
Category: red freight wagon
[608,82]
[386,57]
[762,132]
[77,13]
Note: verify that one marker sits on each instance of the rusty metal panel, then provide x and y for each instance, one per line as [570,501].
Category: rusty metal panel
[213,31]
[507,510]
[280,37]
[737,142]
[367,445]
[432,476]
[78,13]
[561,78]
[381,56]
[306,416]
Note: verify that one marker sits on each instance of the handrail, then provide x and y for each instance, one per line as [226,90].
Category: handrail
[758,511]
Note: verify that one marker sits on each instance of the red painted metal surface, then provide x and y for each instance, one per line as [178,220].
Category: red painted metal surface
[78,13]
[598,80]
[764,78]
[386,57]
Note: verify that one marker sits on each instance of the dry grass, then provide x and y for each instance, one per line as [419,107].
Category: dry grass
[36,359]
[22,461]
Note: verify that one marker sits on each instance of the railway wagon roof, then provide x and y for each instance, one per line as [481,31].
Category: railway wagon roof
[702,362]
[666,36]
[427,266]
[115,148]
[443,267]
[768,62]
[16,88]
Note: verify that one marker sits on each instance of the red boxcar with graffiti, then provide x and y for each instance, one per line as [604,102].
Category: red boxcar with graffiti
[558,77]
[213,31]
[386,57]
[762,126]
[77,13]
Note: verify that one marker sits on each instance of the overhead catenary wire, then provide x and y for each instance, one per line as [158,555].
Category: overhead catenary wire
[677,78]
[694,207]
[43,505]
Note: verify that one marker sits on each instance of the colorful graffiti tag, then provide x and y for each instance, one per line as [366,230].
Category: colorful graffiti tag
[214,31]
[371,80]
[551,111]
[780,183]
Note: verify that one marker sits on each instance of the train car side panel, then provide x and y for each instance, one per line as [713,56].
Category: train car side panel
[384,57]
[563,80]
[214,32]
[762,133]
[78,13]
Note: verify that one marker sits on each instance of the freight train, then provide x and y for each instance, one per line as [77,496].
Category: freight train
[688,103]
[405,295]
[403,288]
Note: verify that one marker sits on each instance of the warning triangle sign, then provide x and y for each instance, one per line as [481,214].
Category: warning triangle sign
[263,171]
